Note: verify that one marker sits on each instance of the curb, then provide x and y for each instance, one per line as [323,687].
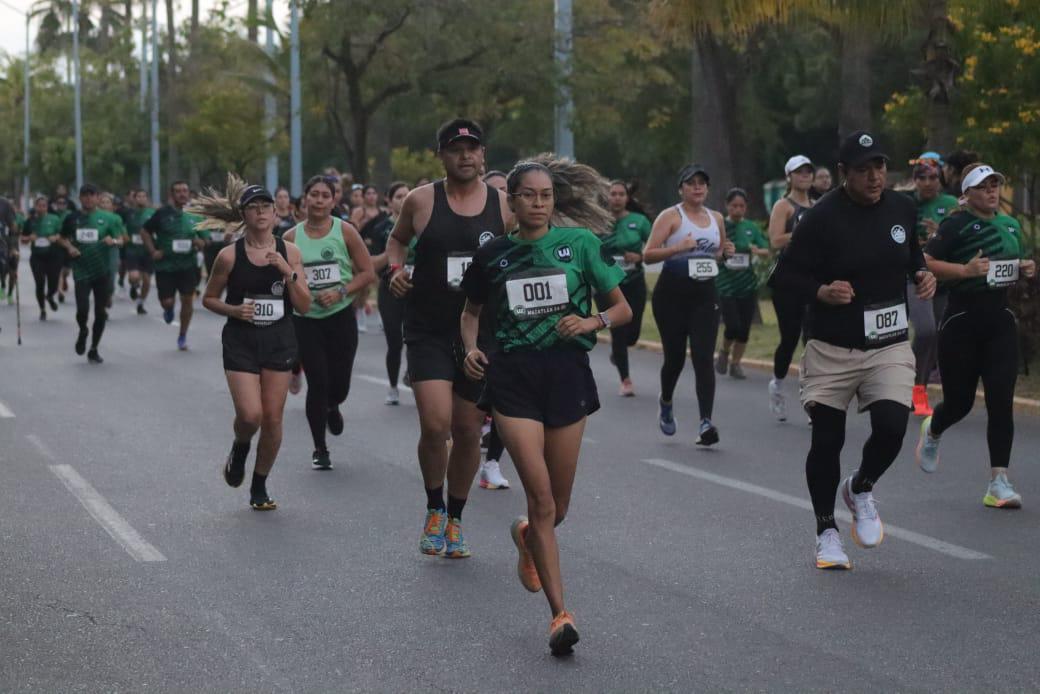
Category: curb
[1022,404]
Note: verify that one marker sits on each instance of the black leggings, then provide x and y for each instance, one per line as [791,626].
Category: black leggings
[46,272]
[391,311]
[621,339]
[99,287]
[327,348]
[790,318]
[737,313]
[979,343]
[495,447]
[823,465]
[686,312]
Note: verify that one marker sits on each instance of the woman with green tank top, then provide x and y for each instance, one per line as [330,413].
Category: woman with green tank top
[338,266]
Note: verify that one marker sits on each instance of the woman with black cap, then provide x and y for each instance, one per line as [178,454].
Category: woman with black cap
[689,239]
[978,254]
[790,310]
[265,281]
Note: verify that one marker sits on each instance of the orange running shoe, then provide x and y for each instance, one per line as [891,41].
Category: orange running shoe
[525,568]
[921,406]
[562,634]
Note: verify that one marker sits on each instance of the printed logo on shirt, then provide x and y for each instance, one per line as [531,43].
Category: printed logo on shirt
[633,225]
[1011,230]
[327,253]
[865,140]
[898,233]
[564,253]
[940,210]
[504,263]
[485,236]
[278,288]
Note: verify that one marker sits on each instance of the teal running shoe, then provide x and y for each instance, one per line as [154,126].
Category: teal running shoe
[432,540]
[455,546]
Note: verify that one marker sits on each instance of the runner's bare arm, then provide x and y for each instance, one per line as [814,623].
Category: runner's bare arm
[664,226]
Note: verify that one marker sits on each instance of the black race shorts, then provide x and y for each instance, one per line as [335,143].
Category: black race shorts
[433,357]
[250,348]
[167,284]
[139,261]
[554,387]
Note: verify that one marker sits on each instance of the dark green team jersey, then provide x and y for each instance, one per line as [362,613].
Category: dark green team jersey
[737,274]
[87,232]
[963,235]
[173,233]
[44,227]
[530,285]
[629,235]
[936,209]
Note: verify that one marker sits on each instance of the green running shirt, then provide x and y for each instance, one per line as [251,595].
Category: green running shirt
[44,227]
[530,285]
[87,232]
[629,235]
[963,235]
[327,264]
[737,274]
[936,209]
[173,232]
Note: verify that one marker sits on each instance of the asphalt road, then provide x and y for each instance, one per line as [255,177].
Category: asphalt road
[126,564]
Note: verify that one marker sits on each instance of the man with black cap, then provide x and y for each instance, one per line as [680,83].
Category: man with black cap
[170,237]
[87,235]
[451,219]
[850,257]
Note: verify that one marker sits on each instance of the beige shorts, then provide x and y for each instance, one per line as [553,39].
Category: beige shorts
[833,375]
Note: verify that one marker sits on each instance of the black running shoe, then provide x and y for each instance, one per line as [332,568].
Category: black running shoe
[133,292]
[52,303]
[260,501]
[94,358]
[141,311]
[61,297]
[321,461]
[235,466]
[335,421]
[81,342]
[43,315]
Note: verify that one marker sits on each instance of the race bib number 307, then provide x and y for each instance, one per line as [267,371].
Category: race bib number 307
[538,295]
[323,275]
[703,268]
[457,265]
[885,323]
[1002,273]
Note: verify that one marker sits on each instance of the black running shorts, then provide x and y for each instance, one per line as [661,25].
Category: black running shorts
[139,261]
[434,357]
[250,348]
[554,387]
[179,282]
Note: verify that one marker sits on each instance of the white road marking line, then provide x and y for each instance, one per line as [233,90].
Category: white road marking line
[586,439]
[381,381]
[106,516]
[925,541]
[5,411]
[40,446]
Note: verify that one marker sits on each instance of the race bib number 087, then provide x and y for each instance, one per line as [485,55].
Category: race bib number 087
[537,295]
[885,323]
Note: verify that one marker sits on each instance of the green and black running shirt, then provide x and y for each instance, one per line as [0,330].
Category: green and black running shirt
[963,235]
[737,274]
[936,209]
[87,231]
[173,233]
[530,285]
[45,227]
[629,235]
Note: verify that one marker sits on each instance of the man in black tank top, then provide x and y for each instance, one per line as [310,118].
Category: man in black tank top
[451,219]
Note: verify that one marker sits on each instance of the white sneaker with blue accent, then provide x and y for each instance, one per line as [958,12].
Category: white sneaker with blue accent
[927,452]
[867,530]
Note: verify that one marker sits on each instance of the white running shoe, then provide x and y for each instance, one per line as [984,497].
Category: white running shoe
[927,451]
[777,400]
[1000,493]
[393,397]
[491,476]
[830,554]
[867,529]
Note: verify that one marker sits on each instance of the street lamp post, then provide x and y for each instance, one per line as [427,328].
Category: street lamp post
[295,156]
[564,48]
[77,108]
[156,189]
[269,108]
[26,192]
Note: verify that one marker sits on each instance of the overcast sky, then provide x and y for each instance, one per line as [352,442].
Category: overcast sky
[12,23]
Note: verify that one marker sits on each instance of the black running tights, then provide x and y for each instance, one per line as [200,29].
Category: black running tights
[823,465]
[327,348]
[46,272]
[973,344]
[391,311]
[625,337]
[790,318]
[99,287]
[684,319]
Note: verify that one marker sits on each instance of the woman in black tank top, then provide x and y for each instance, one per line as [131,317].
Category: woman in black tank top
[263,276]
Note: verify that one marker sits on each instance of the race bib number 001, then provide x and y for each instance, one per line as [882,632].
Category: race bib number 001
[738,261]
[181,245]
[885,323]
[1002,273]
[323,275]
[625,265]
[266,310]
[457,265]
[42,242]
[703,268]
[538,295]
[87,235]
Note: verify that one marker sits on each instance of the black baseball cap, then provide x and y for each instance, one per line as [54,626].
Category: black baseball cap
[252,193]
[459,129]
[88,189]
[689,171]
[860,147]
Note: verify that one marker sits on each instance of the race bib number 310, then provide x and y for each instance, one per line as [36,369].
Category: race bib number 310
[885,323]
[266,310]
[539,295]
[703,268]
[457,265]
[1002,273]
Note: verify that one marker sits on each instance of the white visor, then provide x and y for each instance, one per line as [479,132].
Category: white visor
[977,175]
[796,162]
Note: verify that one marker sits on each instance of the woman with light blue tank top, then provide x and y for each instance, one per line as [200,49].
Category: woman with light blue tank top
[337,266]
[690,240]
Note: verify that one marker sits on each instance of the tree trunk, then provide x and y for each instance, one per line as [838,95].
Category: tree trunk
[939,73]
[712,127]
[194,18]
[359,165]
[383,170]
[856,49]
[251,21]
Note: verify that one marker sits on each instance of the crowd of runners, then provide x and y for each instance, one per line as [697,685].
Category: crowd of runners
[493,286]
